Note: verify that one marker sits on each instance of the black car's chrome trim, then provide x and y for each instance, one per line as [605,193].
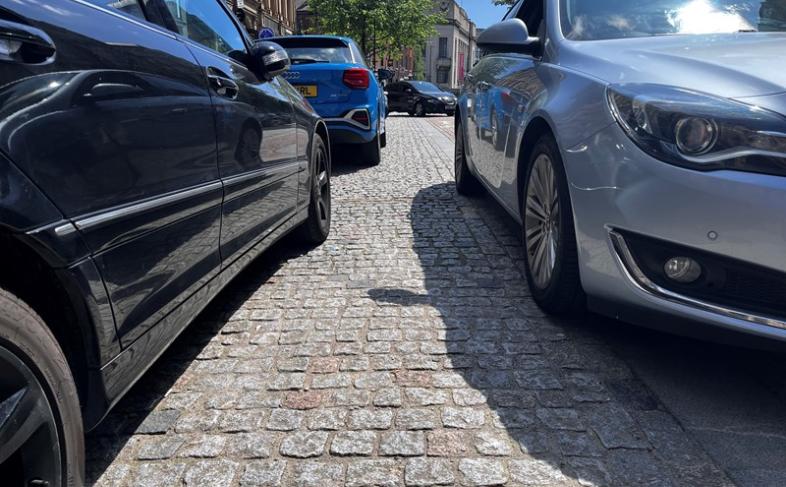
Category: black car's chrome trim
[261,178]
[637,277]
[114,214]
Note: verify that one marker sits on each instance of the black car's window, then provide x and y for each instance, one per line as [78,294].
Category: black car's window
[205,22]
[612,19]
[425,87]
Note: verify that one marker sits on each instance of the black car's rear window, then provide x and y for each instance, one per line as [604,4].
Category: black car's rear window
[307,50]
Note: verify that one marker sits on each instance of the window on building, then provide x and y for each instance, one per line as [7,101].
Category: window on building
[443,47]
[205,22]
[442,76]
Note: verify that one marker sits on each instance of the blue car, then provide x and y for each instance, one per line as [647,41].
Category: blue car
[332,74]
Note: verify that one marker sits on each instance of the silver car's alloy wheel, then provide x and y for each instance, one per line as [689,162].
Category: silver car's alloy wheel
[542,221]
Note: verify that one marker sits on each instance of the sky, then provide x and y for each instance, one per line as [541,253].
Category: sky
[483,12]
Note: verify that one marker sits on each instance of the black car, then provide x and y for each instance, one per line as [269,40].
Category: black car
[419,98]
[148,152]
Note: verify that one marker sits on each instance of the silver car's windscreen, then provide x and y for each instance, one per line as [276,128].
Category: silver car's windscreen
[615,19]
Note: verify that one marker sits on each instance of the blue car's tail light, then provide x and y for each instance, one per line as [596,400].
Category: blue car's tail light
[357,78]
[700,131]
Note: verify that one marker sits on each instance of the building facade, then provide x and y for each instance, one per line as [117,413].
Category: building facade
[256,15]
[451,53]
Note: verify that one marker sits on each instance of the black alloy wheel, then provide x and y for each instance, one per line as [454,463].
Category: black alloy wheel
[41,436]
[29,441]
[420,110]
[317,227]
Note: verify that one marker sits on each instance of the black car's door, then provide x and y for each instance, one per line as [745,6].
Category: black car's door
[394,97]
[117,128]
[257,147]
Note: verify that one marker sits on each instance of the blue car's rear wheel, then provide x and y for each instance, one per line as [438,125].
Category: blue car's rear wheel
[371,152]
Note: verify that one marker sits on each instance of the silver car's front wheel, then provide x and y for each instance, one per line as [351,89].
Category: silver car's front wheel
[541,221]
[548,232]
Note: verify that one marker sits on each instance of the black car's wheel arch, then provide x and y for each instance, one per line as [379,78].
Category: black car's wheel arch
[66,315]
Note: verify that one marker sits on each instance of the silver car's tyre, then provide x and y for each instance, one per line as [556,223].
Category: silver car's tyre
[549,234]
[466,183]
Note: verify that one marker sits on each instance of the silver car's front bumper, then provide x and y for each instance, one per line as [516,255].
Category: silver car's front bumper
[617,187]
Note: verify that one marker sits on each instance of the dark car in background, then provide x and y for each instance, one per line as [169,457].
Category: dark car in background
[331,72]
[419,98]
[148,152]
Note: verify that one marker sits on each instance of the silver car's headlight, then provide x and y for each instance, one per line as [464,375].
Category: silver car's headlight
[700,131]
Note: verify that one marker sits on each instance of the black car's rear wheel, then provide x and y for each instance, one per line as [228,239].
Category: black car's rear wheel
[41,436]
[549,235]
[420,110]
[317,227]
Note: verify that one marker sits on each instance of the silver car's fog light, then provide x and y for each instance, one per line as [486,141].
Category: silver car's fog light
[695,135]
[682,269]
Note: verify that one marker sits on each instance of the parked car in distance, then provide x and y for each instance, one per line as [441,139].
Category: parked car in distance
[419,98]
[144,162]
[331,72]
[644,157]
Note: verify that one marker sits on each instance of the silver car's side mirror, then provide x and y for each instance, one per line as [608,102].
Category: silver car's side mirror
[509,36]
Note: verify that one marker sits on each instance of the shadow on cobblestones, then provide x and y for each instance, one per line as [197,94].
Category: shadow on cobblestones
[140,411]
[575,410]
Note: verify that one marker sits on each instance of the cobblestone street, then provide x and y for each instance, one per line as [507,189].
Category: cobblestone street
[403,352]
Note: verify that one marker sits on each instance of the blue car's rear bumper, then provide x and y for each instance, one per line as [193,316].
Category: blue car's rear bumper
[344,133]
[344,130]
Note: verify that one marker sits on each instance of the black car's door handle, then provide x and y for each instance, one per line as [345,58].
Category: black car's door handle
[222,84]
[483,86]
[23,44]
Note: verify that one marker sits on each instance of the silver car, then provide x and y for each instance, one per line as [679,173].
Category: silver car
[641,144]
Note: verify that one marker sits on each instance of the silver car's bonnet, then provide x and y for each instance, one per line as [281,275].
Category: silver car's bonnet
[727,65]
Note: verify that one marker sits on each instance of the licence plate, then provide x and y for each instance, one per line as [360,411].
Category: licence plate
[309,91]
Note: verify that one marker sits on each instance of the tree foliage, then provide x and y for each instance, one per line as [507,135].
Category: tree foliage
[381,27]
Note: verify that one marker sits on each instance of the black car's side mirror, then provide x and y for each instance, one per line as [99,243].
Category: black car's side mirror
[509,36]
[270,59]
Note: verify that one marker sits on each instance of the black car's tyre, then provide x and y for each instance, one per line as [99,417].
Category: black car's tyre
[41,435]
[371,152]
[549,236]
[420,110]
[466,183]
[316,228]
[450,114]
